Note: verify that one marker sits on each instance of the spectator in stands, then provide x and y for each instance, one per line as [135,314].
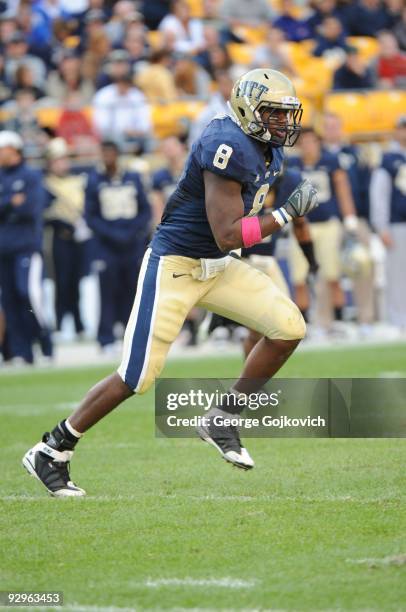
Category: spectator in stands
[24,79]
[22,119]
[123,14]
[97,49]
[65,197]
[394,9]
[119,214]
[68,79]
[187,31]
[121,112]
[8,27]
[37,29]
[191,80]
[156,79]
[388,216]
[367,18]
[116,66]
[75,127]
[5,90]
[334,192]
[295,29]
[217,105]
[94,22]
[215,55]
[154,12]
[274,53]
[321,10]
[241,13]
[16,54]
[21,209]
[399,30]
[390,64]
[330,41]
[353,74]
[349,158]
[165,178]
[135,45]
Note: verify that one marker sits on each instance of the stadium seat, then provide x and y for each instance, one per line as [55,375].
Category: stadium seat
[366,114]
[367,46]
[241,53]
[309,111]
[299,54]
[172,119]
[196,7]
[251,35]
[316,75]
[155,38]
[48,117]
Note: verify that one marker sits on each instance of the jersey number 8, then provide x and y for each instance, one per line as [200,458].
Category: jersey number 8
[222,156]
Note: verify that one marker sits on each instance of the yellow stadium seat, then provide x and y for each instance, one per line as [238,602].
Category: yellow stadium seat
[309,112]
[167,118]
[48,117]
[385,108]
[317,74]
[251,35]
[368,113]
[299,54]
[196,7]
[155,38]
[240,53]
[366,45]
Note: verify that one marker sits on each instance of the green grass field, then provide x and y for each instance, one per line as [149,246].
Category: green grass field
[318,525]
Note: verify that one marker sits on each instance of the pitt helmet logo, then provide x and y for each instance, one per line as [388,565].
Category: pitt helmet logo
[251,89]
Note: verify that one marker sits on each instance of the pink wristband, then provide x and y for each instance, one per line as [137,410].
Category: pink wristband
[251,231]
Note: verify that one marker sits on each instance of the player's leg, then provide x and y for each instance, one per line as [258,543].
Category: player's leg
[327,242]
[299,269]
[109,283]
[161,305]
[19,345]
[250,298]
[270,267]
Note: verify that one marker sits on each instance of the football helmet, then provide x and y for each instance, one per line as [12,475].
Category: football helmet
[262,90]
[356,259]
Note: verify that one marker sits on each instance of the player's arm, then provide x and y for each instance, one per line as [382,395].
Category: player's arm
[345,200]
[301,231]
[225,212]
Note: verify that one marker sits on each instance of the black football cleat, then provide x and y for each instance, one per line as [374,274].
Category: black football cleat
[51,467]
[225,439]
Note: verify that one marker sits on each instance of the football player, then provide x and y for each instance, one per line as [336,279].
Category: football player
[334,192]
[262,255]
[349,158]
[388,216]
[212,212]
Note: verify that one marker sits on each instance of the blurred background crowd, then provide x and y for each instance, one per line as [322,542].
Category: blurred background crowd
[99,104]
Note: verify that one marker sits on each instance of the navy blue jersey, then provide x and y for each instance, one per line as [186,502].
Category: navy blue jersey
[223,149]
[320,176]
[117,211]
[395,165]
[282,188]
[22,199]
[163,180]
[359,176]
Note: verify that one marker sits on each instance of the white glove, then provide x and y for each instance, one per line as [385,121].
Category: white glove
[300,202]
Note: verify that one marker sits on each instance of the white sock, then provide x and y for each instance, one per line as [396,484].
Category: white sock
[71,430]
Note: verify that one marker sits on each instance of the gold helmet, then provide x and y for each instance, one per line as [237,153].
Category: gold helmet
[265,89]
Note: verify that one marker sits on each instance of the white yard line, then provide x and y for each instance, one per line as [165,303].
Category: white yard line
[223,583]
[202,498]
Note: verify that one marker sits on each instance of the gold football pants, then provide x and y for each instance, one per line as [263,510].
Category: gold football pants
[166,293]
